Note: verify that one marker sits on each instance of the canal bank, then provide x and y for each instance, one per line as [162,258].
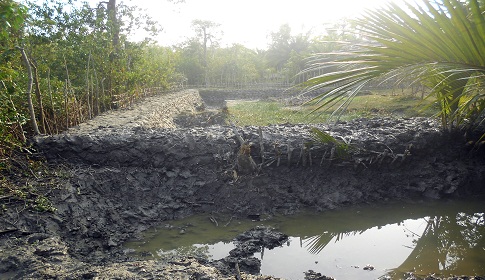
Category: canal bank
[124,180]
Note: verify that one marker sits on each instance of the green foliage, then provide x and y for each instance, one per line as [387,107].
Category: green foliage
[79,71]
[230,66]
[234,66]
[191,62]
[287,53]
[12,17]
[341,149]
[439,43]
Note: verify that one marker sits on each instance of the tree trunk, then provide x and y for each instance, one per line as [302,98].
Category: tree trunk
[206,83]
[66,106]
[39,96]
[90,115]
[29,92]
[53,111]
[112,18]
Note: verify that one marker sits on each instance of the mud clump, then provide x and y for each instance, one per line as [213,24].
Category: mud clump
[202,119]
[312,275]
[247,244]
[256,240]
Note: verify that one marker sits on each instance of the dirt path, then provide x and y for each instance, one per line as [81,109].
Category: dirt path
[130,170]
[153,112]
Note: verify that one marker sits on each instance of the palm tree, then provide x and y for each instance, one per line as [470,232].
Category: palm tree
[440,43]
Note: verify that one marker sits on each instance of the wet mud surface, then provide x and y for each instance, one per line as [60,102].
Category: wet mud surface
[128,172]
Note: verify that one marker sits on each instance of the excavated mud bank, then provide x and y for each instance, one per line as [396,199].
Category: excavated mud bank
[124,180]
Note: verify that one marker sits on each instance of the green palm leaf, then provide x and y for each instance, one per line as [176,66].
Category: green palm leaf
[440,43]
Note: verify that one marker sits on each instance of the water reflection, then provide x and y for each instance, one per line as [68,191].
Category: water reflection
[317,243]
[434,237]
[449,245]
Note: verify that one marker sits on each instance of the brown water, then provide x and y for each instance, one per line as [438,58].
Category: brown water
[442,237]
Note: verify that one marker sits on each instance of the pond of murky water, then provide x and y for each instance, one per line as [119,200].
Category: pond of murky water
[443,237]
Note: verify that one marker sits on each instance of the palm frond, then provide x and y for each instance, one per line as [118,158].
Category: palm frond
[440,43]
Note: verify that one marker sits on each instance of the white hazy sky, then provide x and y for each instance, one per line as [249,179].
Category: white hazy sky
[248,22]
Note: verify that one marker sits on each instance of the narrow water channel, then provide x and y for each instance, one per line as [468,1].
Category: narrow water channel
[442,237]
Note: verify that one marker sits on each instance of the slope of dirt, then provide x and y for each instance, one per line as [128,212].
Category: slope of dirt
[129,172]
[152,112]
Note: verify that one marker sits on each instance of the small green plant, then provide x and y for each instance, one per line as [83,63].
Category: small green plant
[342,149]
[43,204]
[20,194]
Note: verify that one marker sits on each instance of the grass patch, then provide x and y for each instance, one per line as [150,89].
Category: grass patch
[392,105]
[263,113]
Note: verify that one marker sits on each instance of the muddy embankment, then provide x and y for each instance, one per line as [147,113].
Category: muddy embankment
[127,178]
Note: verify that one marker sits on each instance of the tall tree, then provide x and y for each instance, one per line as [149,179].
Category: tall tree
[28,92]
[207,33]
